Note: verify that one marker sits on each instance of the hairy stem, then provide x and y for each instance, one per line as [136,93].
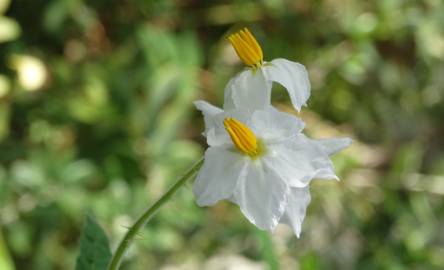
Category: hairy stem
[148,214]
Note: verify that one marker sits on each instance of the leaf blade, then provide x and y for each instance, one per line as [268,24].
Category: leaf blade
[95,253]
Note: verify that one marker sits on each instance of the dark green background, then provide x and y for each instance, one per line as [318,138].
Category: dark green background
[113,125]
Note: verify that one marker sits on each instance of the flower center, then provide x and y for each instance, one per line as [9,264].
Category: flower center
[247,48]
[242,137]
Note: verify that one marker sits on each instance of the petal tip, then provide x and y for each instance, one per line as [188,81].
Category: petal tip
[198,104]
[298,234]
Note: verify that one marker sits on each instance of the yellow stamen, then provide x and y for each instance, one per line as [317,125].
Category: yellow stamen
[247,48]
[242,137]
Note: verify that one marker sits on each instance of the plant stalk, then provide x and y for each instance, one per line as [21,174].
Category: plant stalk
[148,214]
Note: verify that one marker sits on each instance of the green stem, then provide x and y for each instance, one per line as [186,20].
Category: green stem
[148,214]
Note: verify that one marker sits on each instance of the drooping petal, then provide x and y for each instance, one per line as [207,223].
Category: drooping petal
[207,109]
[219,175]
[214,129]
[249,90]
[261,196]
[298,200]
[210,112]
[291,75]
[272,125]
[299,160]
[333,145]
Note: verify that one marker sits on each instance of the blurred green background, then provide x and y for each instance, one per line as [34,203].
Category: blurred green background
[96,116]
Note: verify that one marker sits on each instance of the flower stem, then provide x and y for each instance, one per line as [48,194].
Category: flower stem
[148,214]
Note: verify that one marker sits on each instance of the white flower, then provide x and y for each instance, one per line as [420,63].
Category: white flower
[252,87]
[261,161]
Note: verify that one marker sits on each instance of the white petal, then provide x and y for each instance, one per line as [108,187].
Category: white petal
[298,200]
[272,125]
[209,112]
[333,145]
[219,175]
[214,131]
[261,196]
[249,90]
[291,75]
[207,109]
[299,160]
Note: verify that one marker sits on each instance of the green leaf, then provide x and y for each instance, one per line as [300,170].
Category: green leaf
[95,253]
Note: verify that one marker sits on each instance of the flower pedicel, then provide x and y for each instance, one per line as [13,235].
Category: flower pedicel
[257,156]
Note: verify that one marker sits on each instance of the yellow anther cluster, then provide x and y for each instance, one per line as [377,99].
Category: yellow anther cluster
[247,48]
[242,137]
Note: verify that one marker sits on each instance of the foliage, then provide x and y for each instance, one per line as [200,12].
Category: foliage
[96,114]
[94,247]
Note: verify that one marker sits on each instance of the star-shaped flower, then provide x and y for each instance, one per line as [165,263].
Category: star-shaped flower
[261,161]
[251,88]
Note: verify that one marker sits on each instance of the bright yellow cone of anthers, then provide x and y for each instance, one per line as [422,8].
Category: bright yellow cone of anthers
[247,48]
[242,137]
